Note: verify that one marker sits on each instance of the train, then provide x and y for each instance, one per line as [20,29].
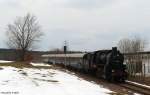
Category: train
[106,64]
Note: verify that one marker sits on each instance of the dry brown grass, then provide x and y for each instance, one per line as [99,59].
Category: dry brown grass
[23,65]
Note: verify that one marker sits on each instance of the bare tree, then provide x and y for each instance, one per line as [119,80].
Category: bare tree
[134,45]
[124,45]
[138,44]
[23,34]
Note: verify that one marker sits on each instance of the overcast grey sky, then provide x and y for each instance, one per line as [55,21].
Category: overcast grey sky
[85,24]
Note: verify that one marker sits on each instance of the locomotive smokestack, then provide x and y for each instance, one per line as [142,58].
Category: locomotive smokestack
[114,50]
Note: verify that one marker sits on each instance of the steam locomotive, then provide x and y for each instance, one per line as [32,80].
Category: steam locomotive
[107,64]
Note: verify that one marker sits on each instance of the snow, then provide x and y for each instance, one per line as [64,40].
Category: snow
[4,61]
[134,94]
[39,64]
[29,81]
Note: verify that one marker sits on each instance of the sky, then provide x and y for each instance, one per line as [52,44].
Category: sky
[86,25]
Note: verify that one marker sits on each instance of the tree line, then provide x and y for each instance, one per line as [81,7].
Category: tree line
[132,45]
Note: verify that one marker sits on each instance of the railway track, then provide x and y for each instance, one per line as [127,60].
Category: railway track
[142,89]
[130,86]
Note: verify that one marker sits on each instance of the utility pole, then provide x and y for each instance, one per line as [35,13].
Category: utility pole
[65,52]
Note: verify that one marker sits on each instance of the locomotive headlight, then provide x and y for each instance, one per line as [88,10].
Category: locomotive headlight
[113,71]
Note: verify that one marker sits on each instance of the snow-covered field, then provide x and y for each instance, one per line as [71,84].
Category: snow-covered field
[28,81]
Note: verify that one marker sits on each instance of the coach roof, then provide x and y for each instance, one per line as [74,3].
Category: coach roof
[74,55]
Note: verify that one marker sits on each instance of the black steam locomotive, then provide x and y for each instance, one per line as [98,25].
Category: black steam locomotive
[107,64]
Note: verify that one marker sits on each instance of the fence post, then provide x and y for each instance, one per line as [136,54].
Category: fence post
[144,72]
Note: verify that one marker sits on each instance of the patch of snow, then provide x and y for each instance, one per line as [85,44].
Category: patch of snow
[30,81]
[4,61]
[136,94]
[40,64]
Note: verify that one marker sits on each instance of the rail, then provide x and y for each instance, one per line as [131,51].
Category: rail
[142,89]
